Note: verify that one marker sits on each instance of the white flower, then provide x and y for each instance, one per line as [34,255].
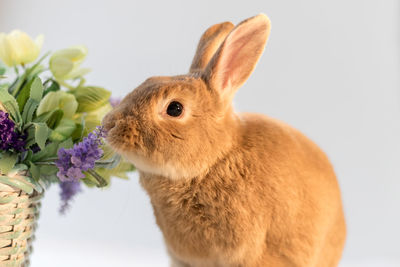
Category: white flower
[58,100]
[17,48]
[65,64]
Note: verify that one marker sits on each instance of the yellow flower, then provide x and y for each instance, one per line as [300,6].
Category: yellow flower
[17,48]
[65,64]
[58,100]
[93,118]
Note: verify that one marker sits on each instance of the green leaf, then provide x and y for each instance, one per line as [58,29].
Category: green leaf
[37,68]
[29,155]
[35,171]
[101,182]
[78,133]
[43,117]
[89,181]
[91,98]
[17,84]
[51,118]
[36,92]
[50,151]
[36,89]
[63,131]
[55,118]
[110,163]
[48,170]
[119,171]
[41,133]
[29,108]
[23,95]
[52,179]
[66,144]
[52,88]
[36,71]
[7,162]
[30,139]
[11,105]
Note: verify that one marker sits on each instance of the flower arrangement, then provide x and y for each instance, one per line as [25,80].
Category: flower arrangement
[49,120]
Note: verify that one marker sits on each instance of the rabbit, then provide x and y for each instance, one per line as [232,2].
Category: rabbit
[228,189]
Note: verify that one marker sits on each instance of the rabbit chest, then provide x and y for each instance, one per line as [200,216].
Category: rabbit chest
[208,217]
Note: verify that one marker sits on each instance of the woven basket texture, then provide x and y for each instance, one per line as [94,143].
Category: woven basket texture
[19,212]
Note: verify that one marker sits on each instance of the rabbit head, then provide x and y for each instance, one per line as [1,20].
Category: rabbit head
[179,126]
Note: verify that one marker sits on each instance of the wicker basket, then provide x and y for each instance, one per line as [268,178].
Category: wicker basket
[19,211]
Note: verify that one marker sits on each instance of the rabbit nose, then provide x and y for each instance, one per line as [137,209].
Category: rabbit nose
[109,121]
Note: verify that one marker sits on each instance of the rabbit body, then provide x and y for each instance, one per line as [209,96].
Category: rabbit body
[273,200]
[228,189]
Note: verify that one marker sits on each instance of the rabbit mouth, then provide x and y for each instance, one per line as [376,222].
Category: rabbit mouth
[165,169]
[120,135]
[114,140]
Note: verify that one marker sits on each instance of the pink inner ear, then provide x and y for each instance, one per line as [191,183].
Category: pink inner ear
[232,60]
[239,53]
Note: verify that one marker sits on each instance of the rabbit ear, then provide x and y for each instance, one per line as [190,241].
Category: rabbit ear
[236,58]
[209,43]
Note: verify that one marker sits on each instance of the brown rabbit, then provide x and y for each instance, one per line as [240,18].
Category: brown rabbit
[228,189]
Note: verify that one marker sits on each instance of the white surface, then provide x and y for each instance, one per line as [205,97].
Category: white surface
[67,254]
[331,69]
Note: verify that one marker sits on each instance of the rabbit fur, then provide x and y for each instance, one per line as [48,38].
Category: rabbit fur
[228,189]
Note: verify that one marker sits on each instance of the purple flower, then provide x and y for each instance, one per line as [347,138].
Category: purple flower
[72,162]
[68,191]
[10,139]
[114,101]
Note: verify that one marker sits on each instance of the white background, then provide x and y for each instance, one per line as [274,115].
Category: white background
[331,69]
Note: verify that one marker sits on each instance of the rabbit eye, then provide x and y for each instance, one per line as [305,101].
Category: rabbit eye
[174,109]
